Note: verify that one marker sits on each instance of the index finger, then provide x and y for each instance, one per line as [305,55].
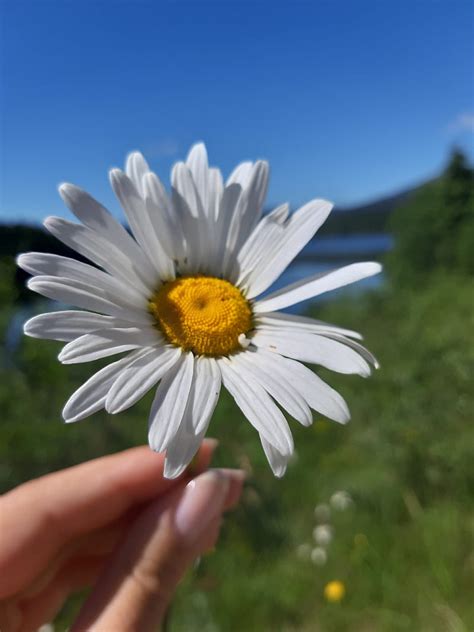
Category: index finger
[38,518]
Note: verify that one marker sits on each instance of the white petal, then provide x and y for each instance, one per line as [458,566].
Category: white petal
[140,376]
[143,229]
[316,285]
[256,405]
[87,297]
[216,190]
[318,395]
[267,231]
[201,403]
[281,320]
[181,450]
[98,219]
[165,221]
[41,263]
[100,251]
[183,183]
[212,263]
[241,174]
[295,234]
[68,325]
[217,250]
[206,389]
[106,342]
[278,462]
[246,213]
[90,397]
[136,167]
[194,220]
[361,350]
[255,194]
[170,402]
[261,369]
[312,348]
[199,168]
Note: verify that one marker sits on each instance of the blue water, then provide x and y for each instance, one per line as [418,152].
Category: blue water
[339,251]
[348,246]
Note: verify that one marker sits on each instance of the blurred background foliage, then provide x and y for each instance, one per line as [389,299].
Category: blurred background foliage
[434,231]
[403,546]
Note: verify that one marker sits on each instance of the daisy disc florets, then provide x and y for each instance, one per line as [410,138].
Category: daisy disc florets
[181,299]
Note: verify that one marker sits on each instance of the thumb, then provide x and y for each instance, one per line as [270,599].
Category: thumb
[135,588]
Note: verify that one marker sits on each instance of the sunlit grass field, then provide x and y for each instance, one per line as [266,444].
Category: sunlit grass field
[403,548]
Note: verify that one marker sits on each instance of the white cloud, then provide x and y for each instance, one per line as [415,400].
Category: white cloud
[161,149]
[463,123]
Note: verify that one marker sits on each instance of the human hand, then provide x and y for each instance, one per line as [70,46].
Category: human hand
[115,524]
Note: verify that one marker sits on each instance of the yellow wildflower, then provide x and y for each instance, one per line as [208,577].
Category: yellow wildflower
[334,591]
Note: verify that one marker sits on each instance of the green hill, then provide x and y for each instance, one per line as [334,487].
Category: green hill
[373,217]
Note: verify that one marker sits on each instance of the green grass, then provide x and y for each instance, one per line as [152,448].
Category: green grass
[403,549]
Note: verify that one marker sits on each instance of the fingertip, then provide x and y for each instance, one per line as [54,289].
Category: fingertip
[210,443]
[202,501]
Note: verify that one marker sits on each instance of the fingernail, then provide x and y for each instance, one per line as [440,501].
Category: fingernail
[203,499]
[237,475]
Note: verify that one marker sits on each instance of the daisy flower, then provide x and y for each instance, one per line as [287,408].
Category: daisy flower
[181,298]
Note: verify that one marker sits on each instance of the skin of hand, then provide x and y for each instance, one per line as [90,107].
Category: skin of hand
[115,524]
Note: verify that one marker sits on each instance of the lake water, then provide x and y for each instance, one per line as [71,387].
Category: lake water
[320,255]
[348,246]
[328,253]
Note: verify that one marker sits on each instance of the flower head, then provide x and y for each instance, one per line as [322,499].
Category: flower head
[322,534]
[181,298]
[341,500]
[319,556]
[334,591]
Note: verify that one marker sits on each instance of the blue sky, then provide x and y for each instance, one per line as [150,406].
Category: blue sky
[348,100]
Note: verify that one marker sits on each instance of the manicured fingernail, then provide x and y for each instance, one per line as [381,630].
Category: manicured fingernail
[202,501]
[237,475]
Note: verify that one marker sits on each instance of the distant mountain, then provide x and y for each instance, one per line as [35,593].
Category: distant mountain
[366,218]
[18,238]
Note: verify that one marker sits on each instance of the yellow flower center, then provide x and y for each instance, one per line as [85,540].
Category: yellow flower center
[201,314]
